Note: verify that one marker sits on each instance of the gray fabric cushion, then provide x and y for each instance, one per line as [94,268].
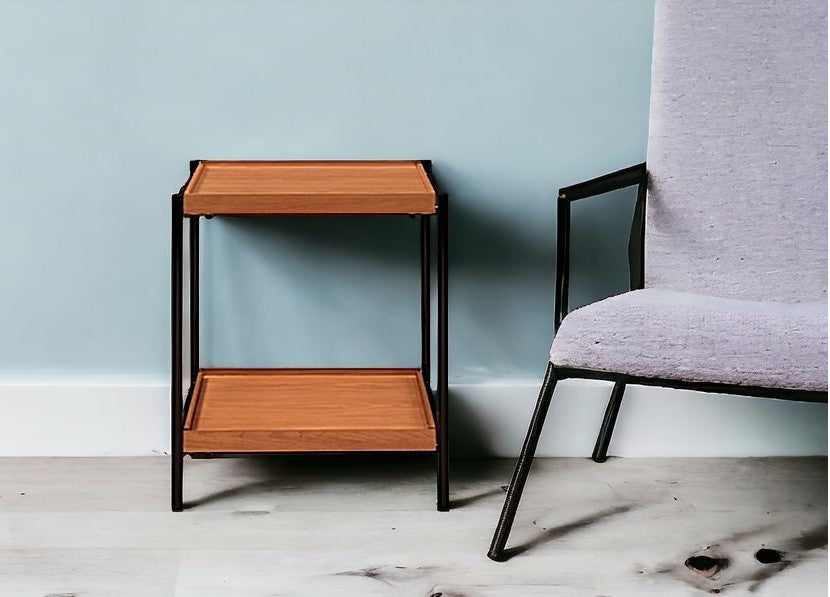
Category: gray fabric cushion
[675,335]
[737,204]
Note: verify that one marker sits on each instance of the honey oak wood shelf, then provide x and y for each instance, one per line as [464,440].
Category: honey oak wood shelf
[309,187]
[309,410]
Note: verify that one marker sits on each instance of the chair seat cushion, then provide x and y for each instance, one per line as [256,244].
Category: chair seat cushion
[673,335]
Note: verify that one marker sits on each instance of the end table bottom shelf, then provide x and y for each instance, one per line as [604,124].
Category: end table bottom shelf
[309,410]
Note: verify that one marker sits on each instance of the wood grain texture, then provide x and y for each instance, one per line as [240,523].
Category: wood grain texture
[366,525]
[309,410]
[310,187]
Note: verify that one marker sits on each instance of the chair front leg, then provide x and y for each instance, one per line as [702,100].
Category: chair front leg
[611,411]
[517,484]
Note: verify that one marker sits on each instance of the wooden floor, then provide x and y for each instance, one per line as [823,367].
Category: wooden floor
[325,525]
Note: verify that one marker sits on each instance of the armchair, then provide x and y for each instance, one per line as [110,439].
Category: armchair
[728,246]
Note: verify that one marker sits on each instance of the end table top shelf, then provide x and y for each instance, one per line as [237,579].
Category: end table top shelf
[309,188]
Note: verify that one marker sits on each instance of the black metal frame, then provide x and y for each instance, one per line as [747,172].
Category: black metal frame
[179,408]
[634,175]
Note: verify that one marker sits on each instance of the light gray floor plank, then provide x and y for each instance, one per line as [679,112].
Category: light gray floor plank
[367,526]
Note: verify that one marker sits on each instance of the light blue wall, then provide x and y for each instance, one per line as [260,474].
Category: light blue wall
[103,103]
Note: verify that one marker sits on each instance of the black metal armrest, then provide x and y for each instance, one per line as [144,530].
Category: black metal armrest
[627,177]
[603,184]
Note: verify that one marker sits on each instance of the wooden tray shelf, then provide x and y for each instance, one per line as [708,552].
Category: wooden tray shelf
[312,188]
[309,410]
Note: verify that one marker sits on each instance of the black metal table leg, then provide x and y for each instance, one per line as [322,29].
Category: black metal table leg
[604,438]
[193,225]
[443,357]
[517,484]
[425,299]
[176,455]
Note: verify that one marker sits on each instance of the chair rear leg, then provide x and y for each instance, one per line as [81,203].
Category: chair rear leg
[611,411]
[517,484]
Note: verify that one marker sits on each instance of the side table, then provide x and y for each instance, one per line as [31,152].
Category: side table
[254,411]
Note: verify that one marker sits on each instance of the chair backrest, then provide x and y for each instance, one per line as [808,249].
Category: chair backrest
[737,156]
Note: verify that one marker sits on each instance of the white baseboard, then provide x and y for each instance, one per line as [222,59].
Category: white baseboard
[653,422]
[84,418]
[106,417]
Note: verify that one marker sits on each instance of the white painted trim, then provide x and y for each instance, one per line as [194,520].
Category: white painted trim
[109,416]
[492,419]
[93,417]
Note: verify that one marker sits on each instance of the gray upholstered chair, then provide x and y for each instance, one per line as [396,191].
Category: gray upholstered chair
[729,240]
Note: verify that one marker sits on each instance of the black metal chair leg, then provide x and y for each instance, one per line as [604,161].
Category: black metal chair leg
[604,437]
[517,484]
